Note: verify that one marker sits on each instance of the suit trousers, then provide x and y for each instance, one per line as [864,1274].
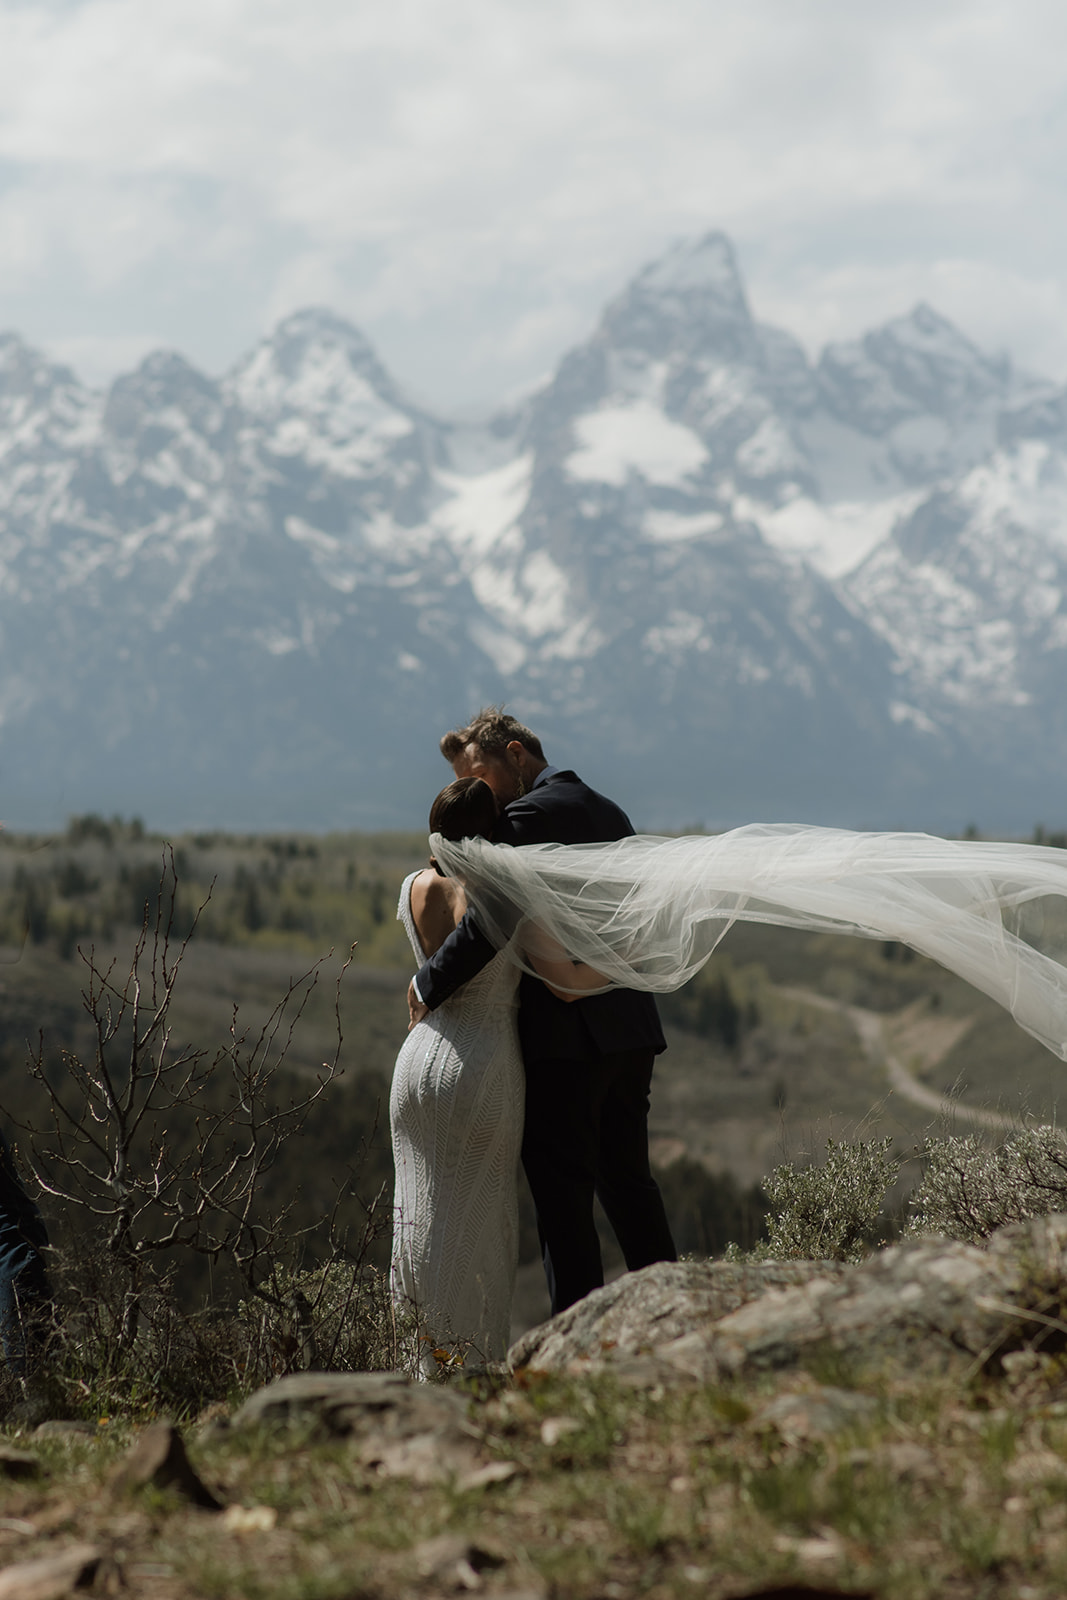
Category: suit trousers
[586,1134]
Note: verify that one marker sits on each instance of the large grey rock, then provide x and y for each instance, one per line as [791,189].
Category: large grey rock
[932,1302]
[355,1403]
[646,1312]
[400,1429]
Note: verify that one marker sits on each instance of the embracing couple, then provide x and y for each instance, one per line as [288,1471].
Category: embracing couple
[499,1061]
[560,1027]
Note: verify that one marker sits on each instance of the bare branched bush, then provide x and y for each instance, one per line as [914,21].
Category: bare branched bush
[154,1152]
[180,1356]
[969,1190]
[831,1211]
[336,1317]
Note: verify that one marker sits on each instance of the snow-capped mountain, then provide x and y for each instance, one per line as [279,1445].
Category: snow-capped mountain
[639,608]
[723,580]
[968,591]
[219,599]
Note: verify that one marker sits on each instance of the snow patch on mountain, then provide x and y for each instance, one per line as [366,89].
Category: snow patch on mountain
[507,653]
[523,593]
[543,594]
[302,532]
[483,509]
[526,604]
[351,444]
[680,632]
[678,527]
[639,438]
[1026,486]
[834,538]
[902,713]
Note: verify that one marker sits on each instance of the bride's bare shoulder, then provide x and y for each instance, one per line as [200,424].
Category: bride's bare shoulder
[437,904]
[426,889]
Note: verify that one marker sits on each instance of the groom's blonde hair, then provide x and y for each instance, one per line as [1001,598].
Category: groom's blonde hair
[492,730]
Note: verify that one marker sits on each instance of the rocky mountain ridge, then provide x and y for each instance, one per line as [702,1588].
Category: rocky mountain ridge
[725,581]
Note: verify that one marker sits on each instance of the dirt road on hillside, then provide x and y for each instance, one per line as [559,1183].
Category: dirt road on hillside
[916,1036]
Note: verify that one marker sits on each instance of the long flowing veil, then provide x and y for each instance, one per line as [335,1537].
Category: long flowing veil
[647,912]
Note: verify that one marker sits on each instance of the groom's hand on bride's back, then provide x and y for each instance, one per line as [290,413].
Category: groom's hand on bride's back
[416,1010]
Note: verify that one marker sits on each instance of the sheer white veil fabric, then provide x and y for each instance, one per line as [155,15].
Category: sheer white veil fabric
[647,912]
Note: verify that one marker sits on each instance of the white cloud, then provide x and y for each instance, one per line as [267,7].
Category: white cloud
[201,166]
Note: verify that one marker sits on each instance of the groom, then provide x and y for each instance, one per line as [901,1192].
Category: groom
[588,1062]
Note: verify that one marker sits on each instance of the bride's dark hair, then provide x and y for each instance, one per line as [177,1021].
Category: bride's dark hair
[464,809]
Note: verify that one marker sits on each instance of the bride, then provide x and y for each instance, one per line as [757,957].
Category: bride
[456,1114]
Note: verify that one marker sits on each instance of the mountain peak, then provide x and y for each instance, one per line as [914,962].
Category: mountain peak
[319,325]
[931,335]
[315,359]
[706,266]
[163,382]
[691,299]
[915,365]
[315,337]
[24,369]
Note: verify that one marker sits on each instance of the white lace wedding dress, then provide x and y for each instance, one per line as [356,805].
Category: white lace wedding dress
[456,1114]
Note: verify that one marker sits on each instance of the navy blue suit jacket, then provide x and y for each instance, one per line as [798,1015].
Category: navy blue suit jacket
[558,809]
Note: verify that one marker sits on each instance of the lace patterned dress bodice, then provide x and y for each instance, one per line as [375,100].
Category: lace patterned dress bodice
[455,1111]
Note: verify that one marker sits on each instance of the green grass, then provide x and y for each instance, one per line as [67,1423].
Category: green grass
[651,1488]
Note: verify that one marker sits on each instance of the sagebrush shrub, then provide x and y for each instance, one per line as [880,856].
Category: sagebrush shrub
[829,1212]
[969,1190]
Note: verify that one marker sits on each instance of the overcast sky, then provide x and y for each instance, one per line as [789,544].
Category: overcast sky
[469,180]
